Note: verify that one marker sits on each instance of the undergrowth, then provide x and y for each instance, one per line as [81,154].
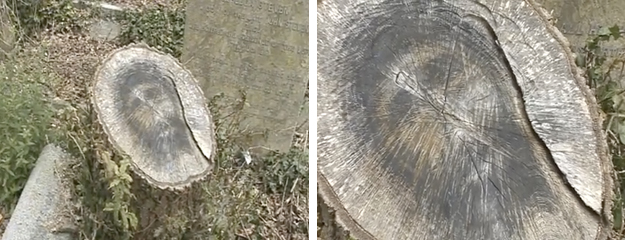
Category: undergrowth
[46,16]
[24,123]
[252,200]
[161,27]
[263,199]
[605,77]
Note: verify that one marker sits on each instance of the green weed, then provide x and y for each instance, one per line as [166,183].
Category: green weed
[609,92]
[161,27]
[25,117]
[265,199]
[53,16]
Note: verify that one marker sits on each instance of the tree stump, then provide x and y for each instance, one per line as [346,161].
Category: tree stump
[153,110]
[459,119]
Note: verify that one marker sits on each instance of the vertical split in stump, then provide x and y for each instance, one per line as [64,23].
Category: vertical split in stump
[457,120]
[153,110]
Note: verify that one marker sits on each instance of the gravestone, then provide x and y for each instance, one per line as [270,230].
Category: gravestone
[252,50]
[580,19]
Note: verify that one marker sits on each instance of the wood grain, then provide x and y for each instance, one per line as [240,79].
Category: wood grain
[153,110]
[456,121]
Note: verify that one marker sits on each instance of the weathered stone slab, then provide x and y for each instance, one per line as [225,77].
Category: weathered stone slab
[580,19]
[303,117]
[104,30]
[41,210]
[259,47]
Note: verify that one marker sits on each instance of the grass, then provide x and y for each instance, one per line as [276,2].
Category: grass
[142,26]
[265,199]
[24,125]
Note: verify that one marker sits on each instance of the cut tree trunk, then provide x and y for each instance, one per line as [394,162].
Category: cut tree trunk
[153,110]
[457,120]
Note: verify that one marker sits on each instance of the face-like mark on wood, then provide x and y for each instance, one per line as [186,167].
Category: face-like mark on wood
[152,109]
[429,103]
[448,119]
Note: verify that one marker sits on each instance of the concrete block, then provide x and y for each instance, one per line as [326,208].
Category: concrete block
[39,211]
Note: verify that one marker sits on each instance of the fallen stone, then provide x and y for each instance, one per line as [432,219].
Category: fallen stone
[105,9]
[39,213]
[105,30]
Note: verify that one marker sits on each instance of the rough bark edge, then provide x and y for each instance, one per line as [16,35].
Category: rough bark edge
[326,218]
[596,115]
[341,215]
[161,185]
[343,218]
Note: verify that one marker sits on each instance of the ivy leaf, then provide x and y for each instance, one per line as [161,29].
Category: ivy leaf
[604,31]
[615,32]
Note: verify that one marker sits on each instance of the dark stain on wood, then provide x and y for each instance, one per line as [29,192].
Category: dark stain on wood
[433,141]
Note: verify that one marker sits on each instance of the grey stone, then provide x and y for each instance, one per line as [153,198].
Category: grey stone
[102,29]
[39,213]
[259,47]
[105,30]
[105,9]
[579,20]
[303,117]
